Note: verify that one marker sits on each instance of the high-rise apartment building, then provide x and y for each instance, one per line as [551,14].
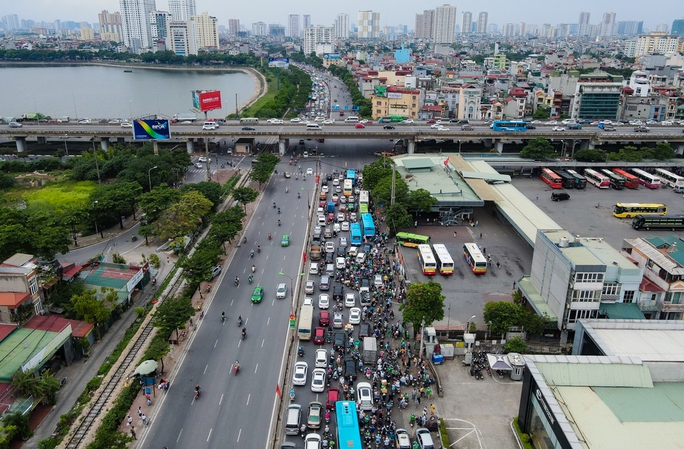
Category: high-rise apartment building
[293,25]
[630,27]
[135,23]
[482,22]
[508,29]
[424,24]
[260,29]
[444,28]
[584,23]
[318,36]
[110,24]
[233,27]
[467,23]
[607,24]
[677,27]
[182,9]
[180,37]
[658,42]
[342,26]
[206,31]
[276,30]
[522,29]
[307,20]
[158,21]
[369,25]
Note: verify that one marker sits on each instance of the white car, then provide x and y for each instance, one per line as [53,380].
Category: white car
[340,217]
[209,126]
[202,159]
[436,125]
[424,438]
[308,301]
[301,370]
[364,399]
[402,437]
[321,220]
[408,121]
[323,301]
[321,358]
[295,120]
[344,226]
[127,125]
[313,269]
[309,171]
[281,291]
[328,122]
[377,281]
[349,299]
[338,321]
[442,128]
[355,315]
[343,242]
[558,128]
[338,189]
[305,154]
[336,227]
[312,441]
[336,182]
[324,189]
[352,216]
[84,120]
[318,380]
[329,247]
[309,287]
[335,197]
[340,263]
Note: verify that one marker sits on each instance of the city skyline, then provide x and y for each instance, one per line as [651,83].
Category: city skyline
[400,12]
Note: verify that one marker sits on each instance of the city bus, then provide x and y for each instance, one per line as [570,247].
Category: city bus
[567,180]
[363,197]
[392,119]
[411,240]
[305,320]
[616,181]
[630,210]
[647,179]
[669,178]
[363,209]
[355,231]
[509,125]
[445,264]
[551,178]
[347,190]
[427,260]
[669,222]
[631,181]
[348,433]
[368,225]
[249,121]
[474,257]
[351,174]
[596,178]
[580,181]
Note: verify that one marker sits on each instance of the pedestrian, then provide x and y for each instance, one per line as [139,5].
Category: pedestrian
[480,235]
[139,411]
[129,421]
[432,409]
[537,197]
[415,224]
[144,419]
[513,285]
[498,264]
[135,437]
[455,233]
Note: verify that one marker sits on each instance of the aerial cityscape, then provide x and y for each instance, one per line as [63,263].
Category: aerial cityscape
[364,226]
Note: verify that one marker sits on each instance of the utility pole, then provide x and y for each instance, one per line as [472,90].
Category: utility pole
[237,113]
[394,169]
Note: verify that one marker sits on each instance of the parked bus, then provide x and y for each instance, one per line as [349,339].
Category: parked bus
[351,174]
[631,181]
[427,260]
[669,222]
[305,320]
[630,210]
[616,181]
[551,178]
[348,433]
[669,178]
[474,257]
[445,264]
[597,179]
[509,125]
[249,121]
[363,197]
[355,231]
[647,179]
[411,240]
[580,181]
[347,190]
[567,180]
[368,225]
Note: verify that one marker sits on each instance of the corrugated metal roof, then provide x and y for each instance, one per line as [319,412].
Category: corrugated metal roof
[483,189]
[485,176]
[590,374]
[647,248]
[622,311]
[649,345]
[662,403]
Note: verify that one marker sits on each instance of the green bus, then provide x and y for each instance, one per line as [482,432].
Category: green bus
[363,208]
[411,240]
[392,119]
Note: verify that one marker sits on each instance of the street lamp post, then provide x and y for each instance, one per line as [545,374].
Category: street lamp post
[308,197]
[75,111]
[94,203]
[291,281]
[149,176]
[468,323]
[448,319]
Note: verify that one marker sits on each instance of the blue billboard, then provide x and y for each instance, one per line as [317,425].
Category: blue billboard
[151,130]
[279,62]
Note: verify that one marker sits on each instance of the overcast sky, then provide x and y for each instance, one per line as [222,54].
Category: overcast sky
[392,12]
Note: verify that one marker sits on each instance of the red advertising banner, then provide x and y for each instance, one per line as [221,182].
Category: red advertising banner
[206,100]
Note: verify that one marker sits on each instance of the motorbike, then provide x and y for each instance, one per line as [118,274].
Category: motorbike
[250,279]
[237,282]
[197,394]
[269,236]
[278,211]
[251,254]
[259,249]
[236,368]
[300,352]
[239,321]
[244,334]
[292,395]
[278,222]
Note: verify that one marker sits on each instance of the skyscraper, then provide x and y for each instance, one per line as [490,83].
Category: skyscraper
[467,24]
[110,25]
[135,23]
[206,31]
[584,24]
[180,37]
[444,29]
[508,29]
[307,20]
[369,25]
[317,35]
[342,26]
[607,24]
[293,25]
[233,27]
[11,22]
[259,29]
[482,23]
[182,9]
[677,27]
[522,29]
[158,21]
[424,24]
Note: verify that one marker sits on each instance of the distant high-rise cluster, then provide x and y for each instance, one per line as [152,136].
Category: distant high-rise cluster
[444,29]
[111,28]
[424,24]
[135,19]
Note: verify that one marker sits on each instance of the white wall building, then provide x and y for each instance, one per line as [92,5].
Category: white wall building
[135,21]
[180,37]
[369,25]
[657,42]
[259,29]
[342,26]
[182,9]
[482,22]
[293,25]
[608,24]
[467,23]
[206,31]
[318,36]
[444,28]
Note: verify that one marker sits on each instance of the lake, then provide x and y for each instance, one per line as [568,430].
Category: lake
[109,92]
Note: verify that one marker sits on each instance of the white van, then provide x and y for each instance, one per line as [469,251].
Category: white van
[351,119]
[364,396]
[293,419]
[313,126]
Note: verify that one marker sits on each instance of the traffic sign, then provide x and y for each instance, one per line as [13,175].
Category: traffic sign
[292,321]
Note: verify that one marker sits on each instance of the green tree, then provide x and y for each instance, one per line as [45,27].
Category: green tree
[226,225]
[502,315]
[112,202]
[397,217]
[424,304]
[542,113]
[88,307]
[590,156]
[515,344]
[48,234]
[7,181]
[146,231]
[173,314]
[197,267]
[184,216]
[244,196]
[155,202]
[383,191]
[373,173]
[663,151]
[538,148]
[421,200]
[210,190]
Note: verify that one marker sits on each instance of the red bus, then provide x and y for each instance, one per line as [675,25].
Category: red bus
[551,178]
[631,181]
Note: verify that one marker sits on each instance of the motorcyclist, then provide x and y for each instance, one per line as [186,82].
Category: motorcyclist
[274,205]
[269,236]
[250,278]
[244,332]
[251,253]
[237,365]
[253,268]
[287,189]
[258,248]
[278,210]
[197,390]
[279,222]
[223,316]
[237,280]
[298,195]
[240,320]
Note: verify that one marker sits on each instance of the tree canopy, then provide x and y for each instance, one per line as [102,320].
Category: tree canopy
[424,304]
[538,148]
[184,216]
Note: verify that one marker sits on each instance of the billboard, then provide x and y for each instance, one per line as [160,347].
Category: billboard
[279,62]
[394,95]
[206,100]
[151,129]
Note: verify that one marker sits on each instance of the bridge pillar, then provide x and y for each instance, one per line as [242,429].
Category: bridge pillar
[104,143]
[411,147]
[21,144]
[499,146]
[42,140]
[678,149]
[190,146]
[586,145]
[488,143]
[281,147]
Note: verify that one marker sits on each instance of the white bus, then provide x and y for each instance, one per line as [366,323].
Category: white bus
[363,197]
[305,320]
[474,257]
[445,264]
[427,260]
[249,121]
[347,190]
[599,180]
[647,179]
[670,178]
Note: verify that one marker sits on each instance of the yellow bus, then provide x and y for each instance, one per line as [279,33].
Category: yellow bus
[347,190]
[445,264]
[631,210]
[427,260]
[474,257]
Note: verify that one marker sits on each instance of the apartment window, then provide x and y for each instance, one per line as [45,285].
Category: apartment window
[33,285]
[379,103]
[413,98]
[588,277]
[611,289]
[581,315]
[629,296]
[586,296]
[673,297]
[378,111]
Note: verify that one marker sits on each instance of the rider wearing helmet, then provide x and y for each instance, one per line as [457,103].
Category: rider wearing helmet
[298,195]
[279,222]
[253,268]
[258,247]
[237,280]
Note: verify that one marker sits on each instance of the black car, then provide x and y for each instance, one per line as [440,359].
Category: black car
[329,258]
[388,127]
[364,330]
[366,248]
[339,339]
[338,293]
[248,128]
[341,251]
[350,367]
[528,126]
[328,177]
[561,196]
